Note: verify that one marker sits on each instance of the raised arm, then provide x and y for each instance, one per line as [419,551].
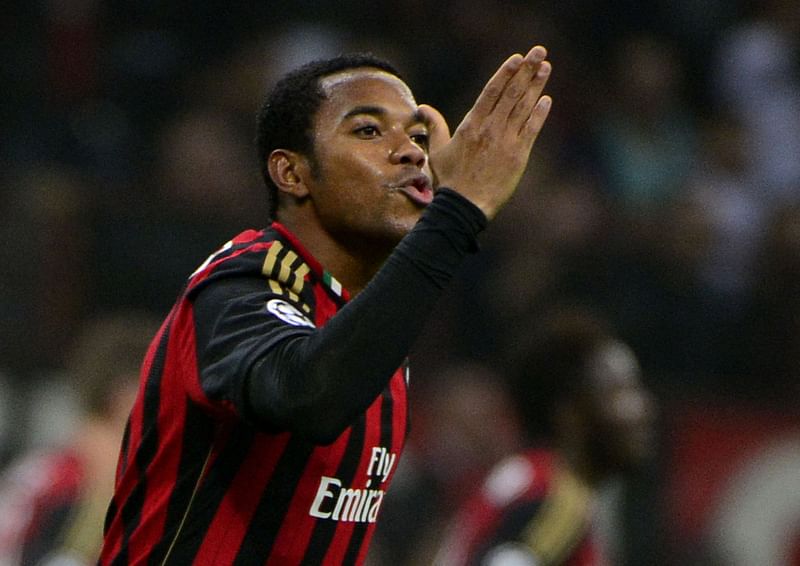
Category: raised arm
[489,151]
[318,381]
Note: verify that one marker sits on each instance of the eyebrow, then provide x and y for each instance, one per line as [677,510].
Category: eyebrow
[417,117]
[373,110]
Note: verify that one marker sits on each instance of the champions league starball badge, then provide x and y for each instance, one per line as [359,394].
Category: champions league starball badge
[288,313]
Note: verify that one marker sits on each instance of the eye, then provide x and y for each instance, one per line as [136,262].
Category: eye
[369,131]
[421,140]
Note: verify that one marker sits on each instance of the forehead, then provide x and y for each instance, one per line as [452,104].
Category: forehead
[614,366]
[353,88]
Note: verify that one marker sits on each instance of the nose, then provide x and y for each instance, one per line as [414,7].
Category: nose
[408,152]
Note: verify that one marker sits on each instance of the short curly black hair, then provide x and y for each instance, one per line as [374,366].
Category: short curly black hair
[287,114]
[554,366]
[107,355]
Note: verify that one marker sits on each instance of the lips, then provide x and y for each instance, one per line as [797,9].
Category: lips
[417,188]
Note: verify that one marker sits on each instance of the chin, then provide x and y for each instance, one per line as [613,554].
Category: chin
[403,226]
[636,461]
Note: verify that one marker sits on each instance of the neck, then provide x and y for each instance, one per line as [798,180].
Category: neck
[97,444]
[583,465]
[353,264]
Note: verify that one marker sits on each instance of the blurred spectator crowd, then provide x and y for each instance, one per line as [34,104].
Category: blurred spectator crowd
[664,194]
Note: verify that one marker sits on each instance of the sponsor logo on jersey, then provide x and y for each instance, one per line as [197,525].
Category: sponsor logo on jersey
[335,502]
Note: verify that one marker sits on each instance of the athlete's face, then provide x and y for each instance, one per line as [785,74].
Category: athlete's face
[372,178]
[622,410]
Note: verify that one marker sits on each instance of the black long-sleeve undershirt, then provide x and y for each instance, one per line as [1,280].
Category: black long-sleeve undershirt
[315,382]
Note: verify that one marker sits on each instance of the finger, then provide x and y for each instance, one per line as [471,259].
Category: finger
[518,86]
[438,130]
[536,120]
[522,110]
[494,88]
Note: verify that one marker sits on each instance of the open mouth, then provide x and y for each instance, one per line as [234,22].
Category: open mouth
[418,189]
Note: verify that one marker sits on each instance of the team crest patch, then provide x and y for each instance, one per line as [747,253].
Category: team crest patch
[287,313]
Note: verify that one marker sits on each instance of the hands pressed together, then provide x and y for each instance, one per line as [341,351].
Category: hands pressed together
[487,154]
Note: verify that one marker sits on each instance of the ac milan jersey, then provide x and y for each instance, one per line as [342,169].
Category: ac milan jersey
[201,479]
[39,494]
[530,510]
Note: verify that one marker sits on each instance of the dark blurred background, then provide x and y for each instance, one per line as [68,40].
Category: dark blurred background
[664,193]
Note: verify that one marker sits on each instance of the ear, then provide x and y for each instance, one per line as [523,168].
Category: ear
[288,171]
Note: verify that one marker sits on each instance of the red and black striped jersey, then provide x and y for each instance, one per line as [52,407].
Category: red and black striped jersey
[531,509]
[41,499]
[217,467]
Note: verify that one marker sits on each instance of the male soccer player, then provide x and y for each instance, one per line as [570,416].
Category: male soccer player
[272,407]
[53,501]
[588,417]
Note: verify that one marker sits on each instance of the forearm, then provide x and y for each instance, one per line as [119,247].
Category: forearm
[317,384]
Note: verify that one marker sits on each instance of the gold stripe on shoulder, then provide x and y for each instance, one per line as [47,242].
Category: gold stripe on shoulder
[286,267]
[278,289]
[562,519]
[284,270]
[300,277]
[271,258]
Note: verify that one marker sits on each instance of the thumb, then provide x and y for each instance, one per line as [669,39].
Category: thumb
[438,130]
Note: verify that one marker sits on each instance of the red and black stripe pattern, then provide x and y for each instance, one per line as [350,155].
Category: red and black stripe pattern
[200,481]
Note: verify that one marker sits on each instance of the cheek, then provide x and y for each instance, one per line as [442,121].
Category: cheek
[427,168]
[368,166]
[628,407]
[354,183]
[629,417]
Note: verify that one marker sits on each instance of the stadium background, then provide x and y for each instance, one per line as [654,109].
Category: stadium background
[664,193]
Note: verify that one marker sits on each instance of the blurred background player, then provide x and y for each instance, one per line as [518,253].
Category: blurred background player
[53,501]
[587,417]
